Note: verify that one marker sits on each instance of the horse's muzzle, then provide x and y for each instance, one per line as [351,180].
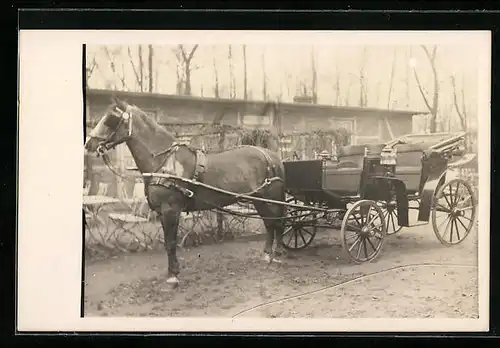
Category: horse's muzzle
[92,144]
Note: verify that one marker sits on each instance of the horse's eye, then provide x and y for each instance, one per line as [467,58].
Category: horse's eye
[112,121]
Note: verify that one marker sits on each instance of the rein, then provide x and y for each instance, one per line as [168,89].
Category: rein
[108,164]
[126,116]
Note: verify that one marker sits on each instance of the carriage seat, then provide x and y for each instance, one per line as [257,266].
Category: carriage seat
[409,164]
[351,156]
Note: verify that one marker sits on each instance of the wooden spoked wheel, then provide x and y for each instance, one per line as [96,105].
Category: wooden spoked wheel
[453,212]
[363,231]
[390,212]
[300,228]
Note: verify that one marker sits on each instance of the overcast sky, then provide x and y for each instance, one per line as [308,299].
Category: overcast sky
[286,66]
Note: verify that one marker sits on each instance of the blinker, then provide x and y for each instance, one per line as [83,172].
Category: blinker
[112,121]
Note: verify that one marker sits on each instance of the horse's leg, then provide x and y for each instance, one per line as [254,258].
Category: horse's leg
[279,228]
[170,215]
[270,215]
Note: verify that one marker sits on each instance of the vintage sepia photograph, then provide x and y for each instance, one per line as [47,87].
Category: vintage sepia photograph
[249,181]
[238,180]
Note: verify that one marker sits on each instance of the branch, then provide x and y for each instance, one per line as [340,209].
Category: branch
[90,70]
[461,115]
[432,58]
[192,52]
[187,58]
[113,68]
[138,79]
[421,89]
[430,55]
[391,81]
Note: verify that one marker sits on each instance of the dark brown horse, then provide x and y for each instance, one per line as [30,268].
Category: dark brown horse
[242,170]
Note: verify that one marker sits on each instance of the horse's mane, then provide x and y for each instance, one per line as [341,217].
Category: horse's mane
[150,123]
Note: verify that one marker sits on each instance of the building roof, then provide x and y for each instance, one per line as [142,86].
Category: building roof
[281,105]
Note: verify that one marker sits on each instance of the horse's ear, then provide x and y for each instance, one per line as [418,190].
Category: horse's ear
[120,103]
[114,99]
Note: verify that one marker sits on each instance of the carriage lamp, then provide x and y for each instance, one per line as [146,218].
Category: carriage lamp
[459,150]
[388,156]
[324,155]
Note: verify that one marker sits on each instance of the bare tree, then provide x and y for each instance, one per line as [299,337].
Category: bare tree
[141,68]
[179,71]
[461,110]
[90,68]
[407,77]
[314,78]
[216,76]
[347,97]
[336,85]
[288,83]
[391,80]
[362,83]
[245,82]
[264,77]
[232,80]
[137,70]
[150,67]
[112,65]
[187,57]
[431,105]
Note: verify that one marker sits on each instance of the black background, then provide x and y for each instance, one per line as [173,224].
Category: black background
[422,17]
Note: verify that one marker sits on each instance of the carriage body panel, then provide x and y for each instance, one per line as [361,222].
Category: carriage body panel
[421,167]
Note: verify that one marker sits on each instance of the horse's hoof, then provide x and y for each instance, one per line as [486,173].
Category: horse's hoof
[173,281]
[269,259]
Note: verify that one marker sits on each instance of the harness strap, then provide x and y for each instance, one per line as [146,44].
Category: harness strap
[271,168]
[201,165]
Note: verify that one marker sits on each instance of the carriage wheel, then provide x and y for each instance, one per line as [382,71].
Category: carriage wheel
[453,212]
[300,230]
[363,231]
[390,212]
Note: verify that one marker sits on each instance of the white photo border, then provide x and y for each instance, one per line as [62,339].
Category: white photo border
[51,173]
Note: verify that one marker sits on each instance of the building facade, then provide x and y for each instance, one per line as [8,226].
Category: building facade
[181,114]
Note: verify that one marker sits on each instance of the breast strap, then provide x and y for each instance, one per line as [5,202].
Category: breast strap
[201,165]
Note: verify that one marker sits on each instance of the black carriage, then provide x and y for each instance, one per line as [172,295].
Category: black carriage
[370,189]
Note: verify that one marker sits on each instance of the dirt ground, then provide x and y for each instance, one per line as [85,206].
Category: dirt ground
[413,277]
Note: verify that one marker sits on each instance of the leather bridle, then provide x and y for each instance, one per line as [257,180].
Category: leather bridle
[124,116]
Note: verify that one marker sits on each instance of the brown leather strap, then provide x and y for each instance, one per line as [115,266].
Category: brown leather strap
[201,164]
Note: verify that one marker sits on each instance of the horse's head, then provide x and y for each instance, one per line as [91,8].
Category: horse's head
[114,128]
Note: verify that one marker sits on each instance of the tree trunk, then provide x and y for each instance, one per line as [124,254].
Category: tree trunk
[187,58]
[245,83]
[314,78]
[187,90]
[150,67]
[264,78]
[362,85]
[433,107]
[232,82]
[216,79]
[391,80]
[141,69]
